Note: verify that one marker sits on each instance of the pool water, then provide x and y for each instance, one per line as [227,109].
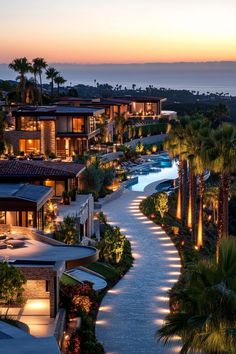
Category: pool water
[165,173]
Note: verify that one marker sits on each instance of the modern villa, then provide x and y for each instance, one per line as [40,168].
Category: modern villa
[129,106]
[61,130]
[27,186]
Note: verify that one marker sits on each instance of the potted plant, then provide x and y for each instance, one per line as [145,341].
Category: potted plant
[66,198]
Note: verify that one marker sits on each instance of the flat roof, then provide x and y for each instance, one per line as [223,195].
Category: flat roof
[22,191]
[35,250]
[48,111]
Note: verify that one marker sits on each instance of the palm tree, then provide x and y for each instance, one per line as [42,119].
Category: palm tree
[120,126]
[176,146]
[223,155]
[38,65]
[59,80]
[22,66]
[205,318]
[51,73]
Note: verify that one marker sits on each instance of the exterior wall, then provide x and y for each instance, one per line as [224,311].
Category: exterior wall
[35,289]
[43,274]
[13,136]
[48,137]
[11,218]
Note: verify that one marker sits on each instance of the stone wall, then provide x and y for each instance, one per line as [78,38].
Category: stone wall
[48,137]
[35,289]
[12,137]
[154,139]
[43,274]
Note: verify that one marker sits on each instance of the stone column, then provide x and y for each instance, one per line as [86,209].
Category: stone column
[48,136]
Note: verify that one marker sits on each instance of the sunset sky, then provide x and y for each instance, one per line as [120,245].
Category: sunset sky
[122,31]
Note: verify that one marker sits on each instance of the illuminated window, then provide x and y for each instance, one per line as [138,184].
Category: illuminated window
[92,124]
[29,145]
[2,217]
[29,123]
[78,125]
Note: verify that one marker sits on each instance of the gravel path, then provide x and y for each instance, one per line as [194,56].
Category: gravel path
[133,310]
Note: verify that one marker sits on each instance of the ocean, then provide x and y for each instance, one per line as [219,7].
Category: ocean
[203,77]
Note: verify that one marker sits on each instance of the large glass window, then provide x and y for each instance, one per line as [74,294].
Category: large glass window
[29,123]
[2,217]
[58,187]
[92,124]
[29,145]
[78,125]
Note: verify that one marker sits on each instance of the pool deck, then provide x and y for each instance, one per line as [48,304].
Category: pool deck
[132,312]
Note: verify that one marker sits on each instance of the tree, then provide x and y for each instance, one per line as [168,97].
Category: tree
[59,80]
[222,152]
[111,245]
[161,203]
[68,231]
[22,66]
[11,283]
[51,74]
[2,124]
[120,126]
[205,317]
[38,65]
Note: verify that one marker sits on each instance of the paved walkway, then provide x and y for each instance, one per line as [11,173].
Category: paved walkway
[134,309]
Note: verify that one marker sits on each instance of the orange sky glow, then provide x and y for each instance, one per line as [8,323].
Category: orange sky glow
[121,31]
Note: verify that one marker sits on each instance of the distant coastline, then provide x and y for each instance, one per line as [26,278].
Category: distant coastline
[214,76]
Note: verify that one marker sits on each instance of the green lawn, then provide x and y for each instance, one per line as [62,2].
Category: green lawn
[106,270]
[67,280]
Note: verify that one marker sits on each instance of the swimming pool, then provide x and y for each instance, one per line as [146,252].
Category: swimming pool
[164,173]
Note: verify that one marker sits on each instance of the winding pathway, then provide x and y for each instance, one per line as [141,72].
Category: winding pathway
[134,309]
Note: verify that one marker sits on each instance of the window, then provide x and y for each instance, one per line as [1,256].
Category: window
[2,217]
[78,125]
[29,145]
[29,123]
[92,124]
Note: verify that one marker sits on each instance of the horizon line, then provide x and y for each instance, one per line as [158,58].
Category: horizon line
[141,63]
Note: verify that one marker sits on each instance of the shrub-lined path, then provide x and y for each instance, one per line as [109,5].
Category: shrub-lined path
[134,309]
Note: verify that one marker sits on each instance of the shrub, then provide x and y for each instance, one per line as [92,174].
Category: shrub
[68,231]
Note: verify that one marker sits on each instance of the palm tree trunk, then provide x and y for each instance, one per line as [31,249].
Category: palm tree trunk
[179,201]
[200,217]
[194,197]
[220,211]
[184,193]
[58,90]
[225,190]
[190,199]
[41,89]
[52,88]
[22,83]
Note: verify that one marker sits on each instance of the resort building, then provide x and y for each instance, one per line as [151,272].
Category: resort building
[50,178]
[61,130]
[23,204]
[61,176]
[128,106]
[43,262]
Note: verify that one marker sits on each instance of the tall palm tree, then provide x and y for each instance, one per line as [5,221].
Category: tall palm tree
[120,126]
[38,65]
[51,73]
[176,146]
[21,66]
[59,80]
[223,155]
[205,318]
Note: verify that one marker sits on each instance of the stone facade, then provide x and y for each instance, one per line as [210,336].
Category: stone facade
[48,136]
[44,274]
[12,138]
[34,289]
